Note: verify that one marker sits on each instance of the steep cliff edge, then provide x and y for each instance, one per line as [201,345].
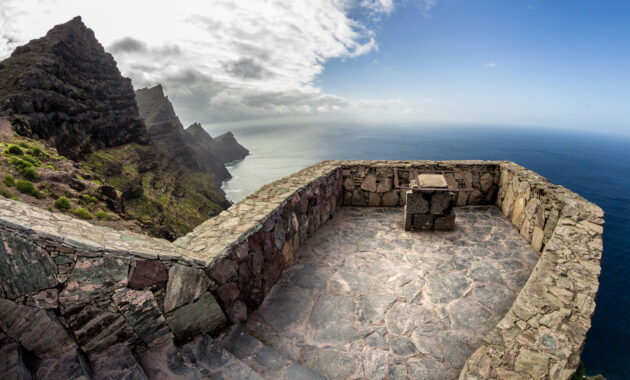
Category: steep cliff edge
[168,133]
[65,89]
[224,147]
[64,96]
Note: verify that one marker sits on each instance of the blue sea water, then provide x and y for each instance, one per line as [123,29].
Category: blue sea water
[595,166]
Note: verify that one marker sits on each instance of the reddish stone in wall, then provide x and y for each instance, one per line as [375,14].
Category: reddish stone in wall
[148,274]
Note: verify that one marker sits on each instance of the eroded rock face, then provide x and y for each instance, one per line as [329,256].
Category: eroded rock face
[117,362]
[64,88]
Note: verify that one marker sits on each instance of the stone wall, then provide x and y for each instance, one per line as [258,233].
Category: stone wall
[543,334]
[371,183]
[67,284]
[253,241]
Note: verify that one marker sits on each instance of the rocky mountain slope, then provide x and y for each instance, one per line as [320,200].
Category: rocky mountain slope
[72,130]
[224,147]
[169,134]
[65,89]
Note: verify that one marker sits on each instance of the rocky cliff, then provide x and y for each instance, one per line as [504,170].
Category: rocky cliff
[169,134]
[64,96]
[65,89]
[224,147]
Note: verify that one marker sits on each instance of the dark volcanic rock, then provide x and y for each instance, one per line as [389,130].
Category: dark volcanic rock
[116,363]
[200,142]
[96,329]
[148,274]
[169,135]
[66,89]
[13,365]
[224,147]
[69,365]
[37,330]
[24,267]
[227,149]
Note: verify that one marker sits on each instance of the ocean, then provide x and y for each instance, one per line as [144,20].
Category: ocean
[595,166]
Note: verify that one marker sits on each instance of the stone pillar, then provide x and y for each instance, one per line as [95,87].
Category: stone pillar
[428,211]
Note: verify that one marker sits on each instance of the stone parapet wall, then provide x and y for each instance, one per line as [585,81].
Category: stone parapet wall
[371,183]
[543,333]
[67,284]
[252,242]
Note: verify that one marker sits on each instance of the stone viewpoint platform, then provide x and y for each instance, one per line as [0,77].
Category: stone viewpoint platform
[311,277]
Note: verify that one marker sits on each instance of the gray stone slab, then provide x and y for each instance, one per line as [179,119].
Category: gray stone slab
[96,329]
[37,330]
[70,365]
[332,320]
[93,280]
[201,317]
[12,364]
[116,363]
[184,285]
[24,267]
[143,313]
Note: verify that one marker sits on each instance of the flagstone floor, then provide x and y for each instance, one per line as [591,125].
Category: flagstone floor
[367,299]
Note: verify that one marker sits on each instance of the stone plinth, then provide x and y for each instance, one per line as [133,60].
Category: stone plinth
[428,211]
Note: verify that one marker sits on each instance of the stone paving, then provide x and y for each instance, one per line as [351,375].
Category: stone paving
[367,299]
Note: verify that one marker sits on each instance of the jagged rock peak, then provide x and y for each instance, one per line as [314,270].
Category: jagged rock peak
[66,89]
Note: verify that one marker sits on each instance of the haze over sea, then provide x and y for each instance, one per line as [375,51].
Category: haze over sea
[595,166]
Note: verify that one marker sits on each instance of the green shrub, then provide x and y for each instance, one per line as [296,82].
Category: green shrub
[19,163]
[5,192]
[102,215]
[31,159]
[82,213]
[24,144]
[88,199]
[62,203]
[38,152]
[8,180]
[27,187]
[29,173]
[15,150]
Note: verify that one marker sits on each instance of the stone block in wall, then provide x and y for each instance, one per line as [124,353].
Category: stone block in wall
[440,203]
[537,239]
[369,183]
[416,205]
[12,364]
[486,181]
[374,200]
[97,329]
[93,280]
[117,362]
[201,317]
[384,184]
[185,284]
[390,198]
[142,312]
[148,274]
[37,330]
[24,267]
[69,365]
[45,299]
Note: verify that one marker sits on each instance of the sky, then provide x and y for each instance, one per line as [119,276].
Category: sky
[559,64]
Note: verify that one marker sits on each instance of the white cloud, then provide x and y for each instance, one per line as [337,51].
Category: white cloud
[220,60]
[490,64]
